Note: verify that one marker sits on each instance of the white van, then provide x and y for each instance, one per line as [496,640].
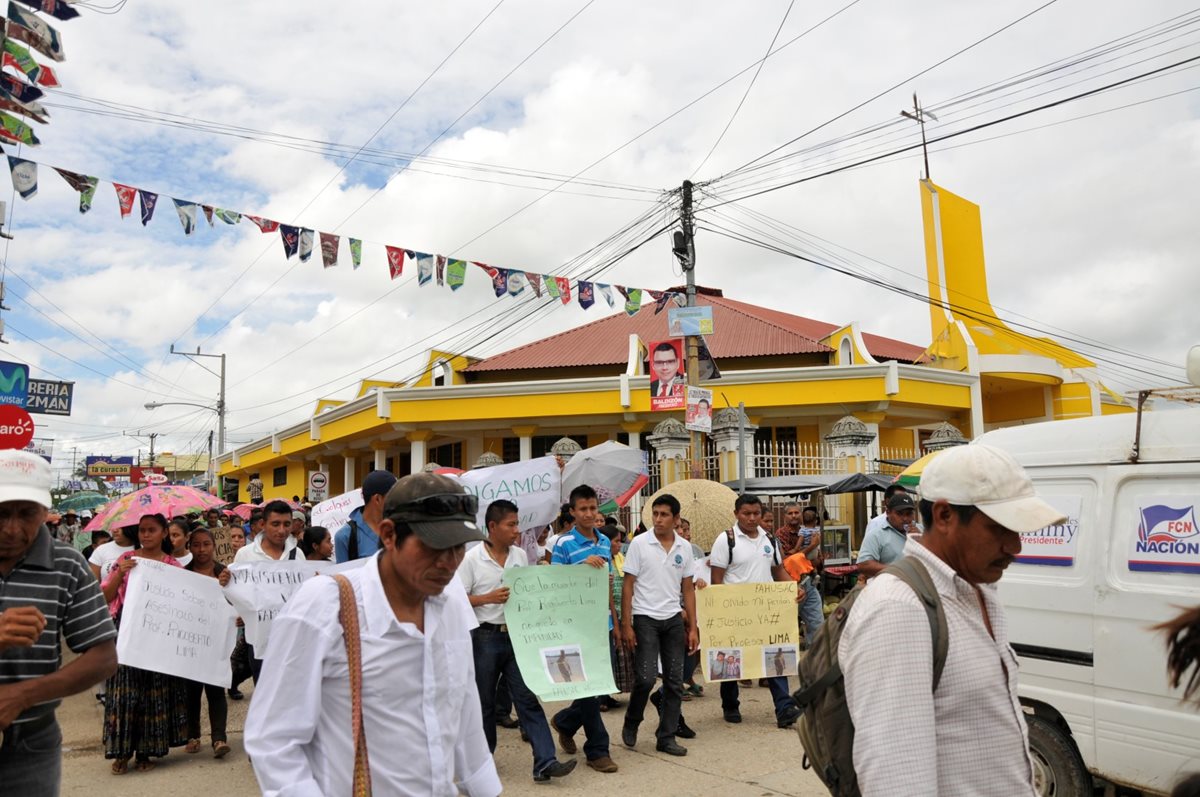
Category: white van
[1083,596]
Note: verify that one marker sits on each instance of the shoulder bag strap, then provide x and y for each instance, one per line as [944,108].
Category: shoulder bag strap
[912,571]
[348,615]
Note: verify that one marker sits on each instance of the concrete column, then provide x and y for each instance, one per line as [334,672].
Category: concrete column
[380,458]
[420,448]
[725,439]
[634,429]
[671,441]
[525,438]
[472,450]
[350,474]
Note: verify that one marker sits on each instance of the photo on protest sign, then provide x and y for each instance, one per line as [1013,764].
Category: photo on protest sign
[668,377]
[178,623]
[564,665]
[699,410]
[744,621]
[724,664]
[780,660]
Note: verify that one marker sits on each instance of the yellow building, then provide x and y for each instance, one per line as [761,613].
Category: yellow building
[820,397]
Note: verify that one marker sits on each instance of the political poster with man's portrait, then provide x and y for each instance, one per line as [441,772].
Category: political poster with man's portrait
[668,382]
[699,410]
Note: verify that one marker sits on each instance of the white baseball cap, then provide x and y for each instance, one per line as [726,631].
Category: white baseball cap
[24,477]
[990,479]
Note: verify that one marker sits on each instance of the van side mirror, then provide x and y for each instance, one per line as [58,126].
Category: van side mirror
[1193,365]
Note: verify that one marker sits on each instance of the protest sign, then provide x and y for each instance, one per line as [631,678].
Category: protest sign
[534,486]
[748,630]
[335,513]
[223,550]
[176,622]
[557,620]
[260,590]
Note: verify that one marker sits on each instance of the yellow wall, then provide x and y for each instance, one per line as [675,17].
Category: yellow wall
[1014,405]
[1071,401]
[895,438]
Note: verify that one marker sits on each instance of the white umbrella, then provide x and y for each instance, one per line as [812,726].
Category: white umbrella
[612,469]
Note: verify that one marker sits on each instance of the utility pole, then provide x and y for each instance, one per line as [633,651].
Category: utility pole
[139,435]
[919,115]
[685,251]
[221,397]
[210,469]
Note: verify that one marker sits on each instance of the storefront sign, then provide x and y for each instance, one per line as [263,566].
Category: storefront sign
[49,398]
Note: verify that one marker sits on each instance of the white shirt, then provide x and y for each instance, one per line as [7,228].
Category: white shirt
[480,574]
[104,556]
[753,558]
[253,552]
[971,734]
[659,574]
[184,559]
[421,711]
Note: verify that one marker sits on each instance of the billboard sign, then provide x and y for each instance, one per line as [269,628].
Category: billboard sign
[14,383]
[49,398]
[109,468]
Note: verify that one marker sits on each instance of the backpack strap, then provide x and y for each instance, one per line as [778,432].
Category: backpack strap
[348,616]
[732,542]
[912,571]
[352,543]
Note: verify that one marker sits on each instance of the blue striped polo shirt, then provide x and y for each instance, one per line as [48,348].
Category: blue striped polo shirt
[573,548]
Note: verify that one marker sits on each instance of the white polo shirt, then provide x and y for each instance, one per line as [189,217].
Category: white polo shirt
[659,573]
[254,551]
[481,574]
[753,557]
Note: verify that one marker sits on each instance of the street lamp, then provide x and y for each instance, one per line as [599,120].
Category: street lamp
[219,410]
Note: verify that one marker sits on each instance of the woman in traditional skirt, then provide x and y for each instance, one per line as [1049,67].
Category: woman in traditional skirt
[144,712]
[202,546]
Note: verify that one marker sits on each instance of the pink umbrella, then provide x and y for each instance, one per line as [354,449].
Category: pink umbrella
[243,510]
[168,500]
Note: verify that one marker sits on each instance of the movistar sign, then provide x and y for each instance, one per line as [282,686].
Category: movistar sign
[14,383]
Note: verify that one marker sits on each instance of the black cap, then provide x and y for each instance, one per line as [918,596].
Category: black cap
[378,482]
[901,501]
[439,531]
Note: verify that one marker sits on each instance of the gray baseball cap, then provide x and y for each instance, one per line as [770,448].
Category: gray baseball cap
[437,508]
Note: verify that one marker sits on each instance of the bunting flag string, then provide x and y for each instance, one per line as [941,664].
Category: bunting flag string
[15,131]
[301,241]
[29,28]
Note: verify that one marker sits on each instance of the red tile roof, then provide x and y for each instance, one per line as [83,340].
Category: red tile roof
[743,330]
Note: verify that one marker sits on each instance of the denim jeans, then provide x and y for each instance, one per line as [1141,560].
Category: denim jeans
[504,703]
[31,760]
[779,694]
[665,639]
[493,657]
[585,713]
[812,614]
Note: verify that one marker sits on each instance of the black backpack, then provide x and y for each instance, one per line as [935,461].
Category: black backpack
[777,557]
[825,727]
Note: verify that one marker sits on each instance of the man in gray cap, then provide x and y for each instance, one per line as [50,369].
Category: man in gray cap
[46,590]
[359,538]
[420,712]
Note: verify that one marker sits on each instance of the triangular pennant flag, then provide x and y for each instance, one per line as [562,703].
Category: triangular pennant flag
[290,236]
[633,301]
[125,196]
[516,282]
[356,252]
[499,281]
[48,77]
[551,286]
[440,267]
[187,215]
[424,266]
[33,109]
[587,295]
[56,8]
[606,292]
[456,273]
[86,186]
[208,213]
[395,259]
[535,282]
[661,299]
[20,59]
[148,201]
[29,28]
[564,289]
[266,225]
[708,366]
[306,244]
[24,176]
[228,216]
[655,295]
[13,129]
[19,89]
[329,249]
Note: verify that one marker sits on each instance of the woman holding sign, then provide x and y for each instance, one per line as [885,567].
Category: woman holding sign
[144,712]
[203,546]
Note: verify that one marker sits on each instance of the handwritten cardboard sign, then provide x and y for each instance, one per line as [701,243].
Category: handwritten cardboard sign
[223,550]
[557,620]
[748,630]
[176,622]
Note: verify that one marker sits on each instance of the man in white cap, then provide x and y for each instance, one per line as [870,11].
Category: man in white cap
[421,716]
[46,591]
[969,734]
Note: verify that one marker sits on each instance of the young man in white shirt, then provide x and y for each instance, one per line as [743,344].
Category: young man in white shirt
[975,501]
[754,559]
[420,715]
[658,574]
[482,575]
[274,543]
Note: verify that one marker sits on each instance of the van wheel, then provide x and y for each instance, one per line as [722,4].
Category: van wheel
[1058,771]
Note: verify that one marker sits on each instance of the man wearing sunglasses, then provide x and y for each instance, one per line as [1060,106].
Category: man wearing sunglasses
[420,707]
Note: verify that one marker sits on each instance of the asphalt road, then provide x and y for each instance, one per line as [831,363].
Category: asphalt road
[754,759]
